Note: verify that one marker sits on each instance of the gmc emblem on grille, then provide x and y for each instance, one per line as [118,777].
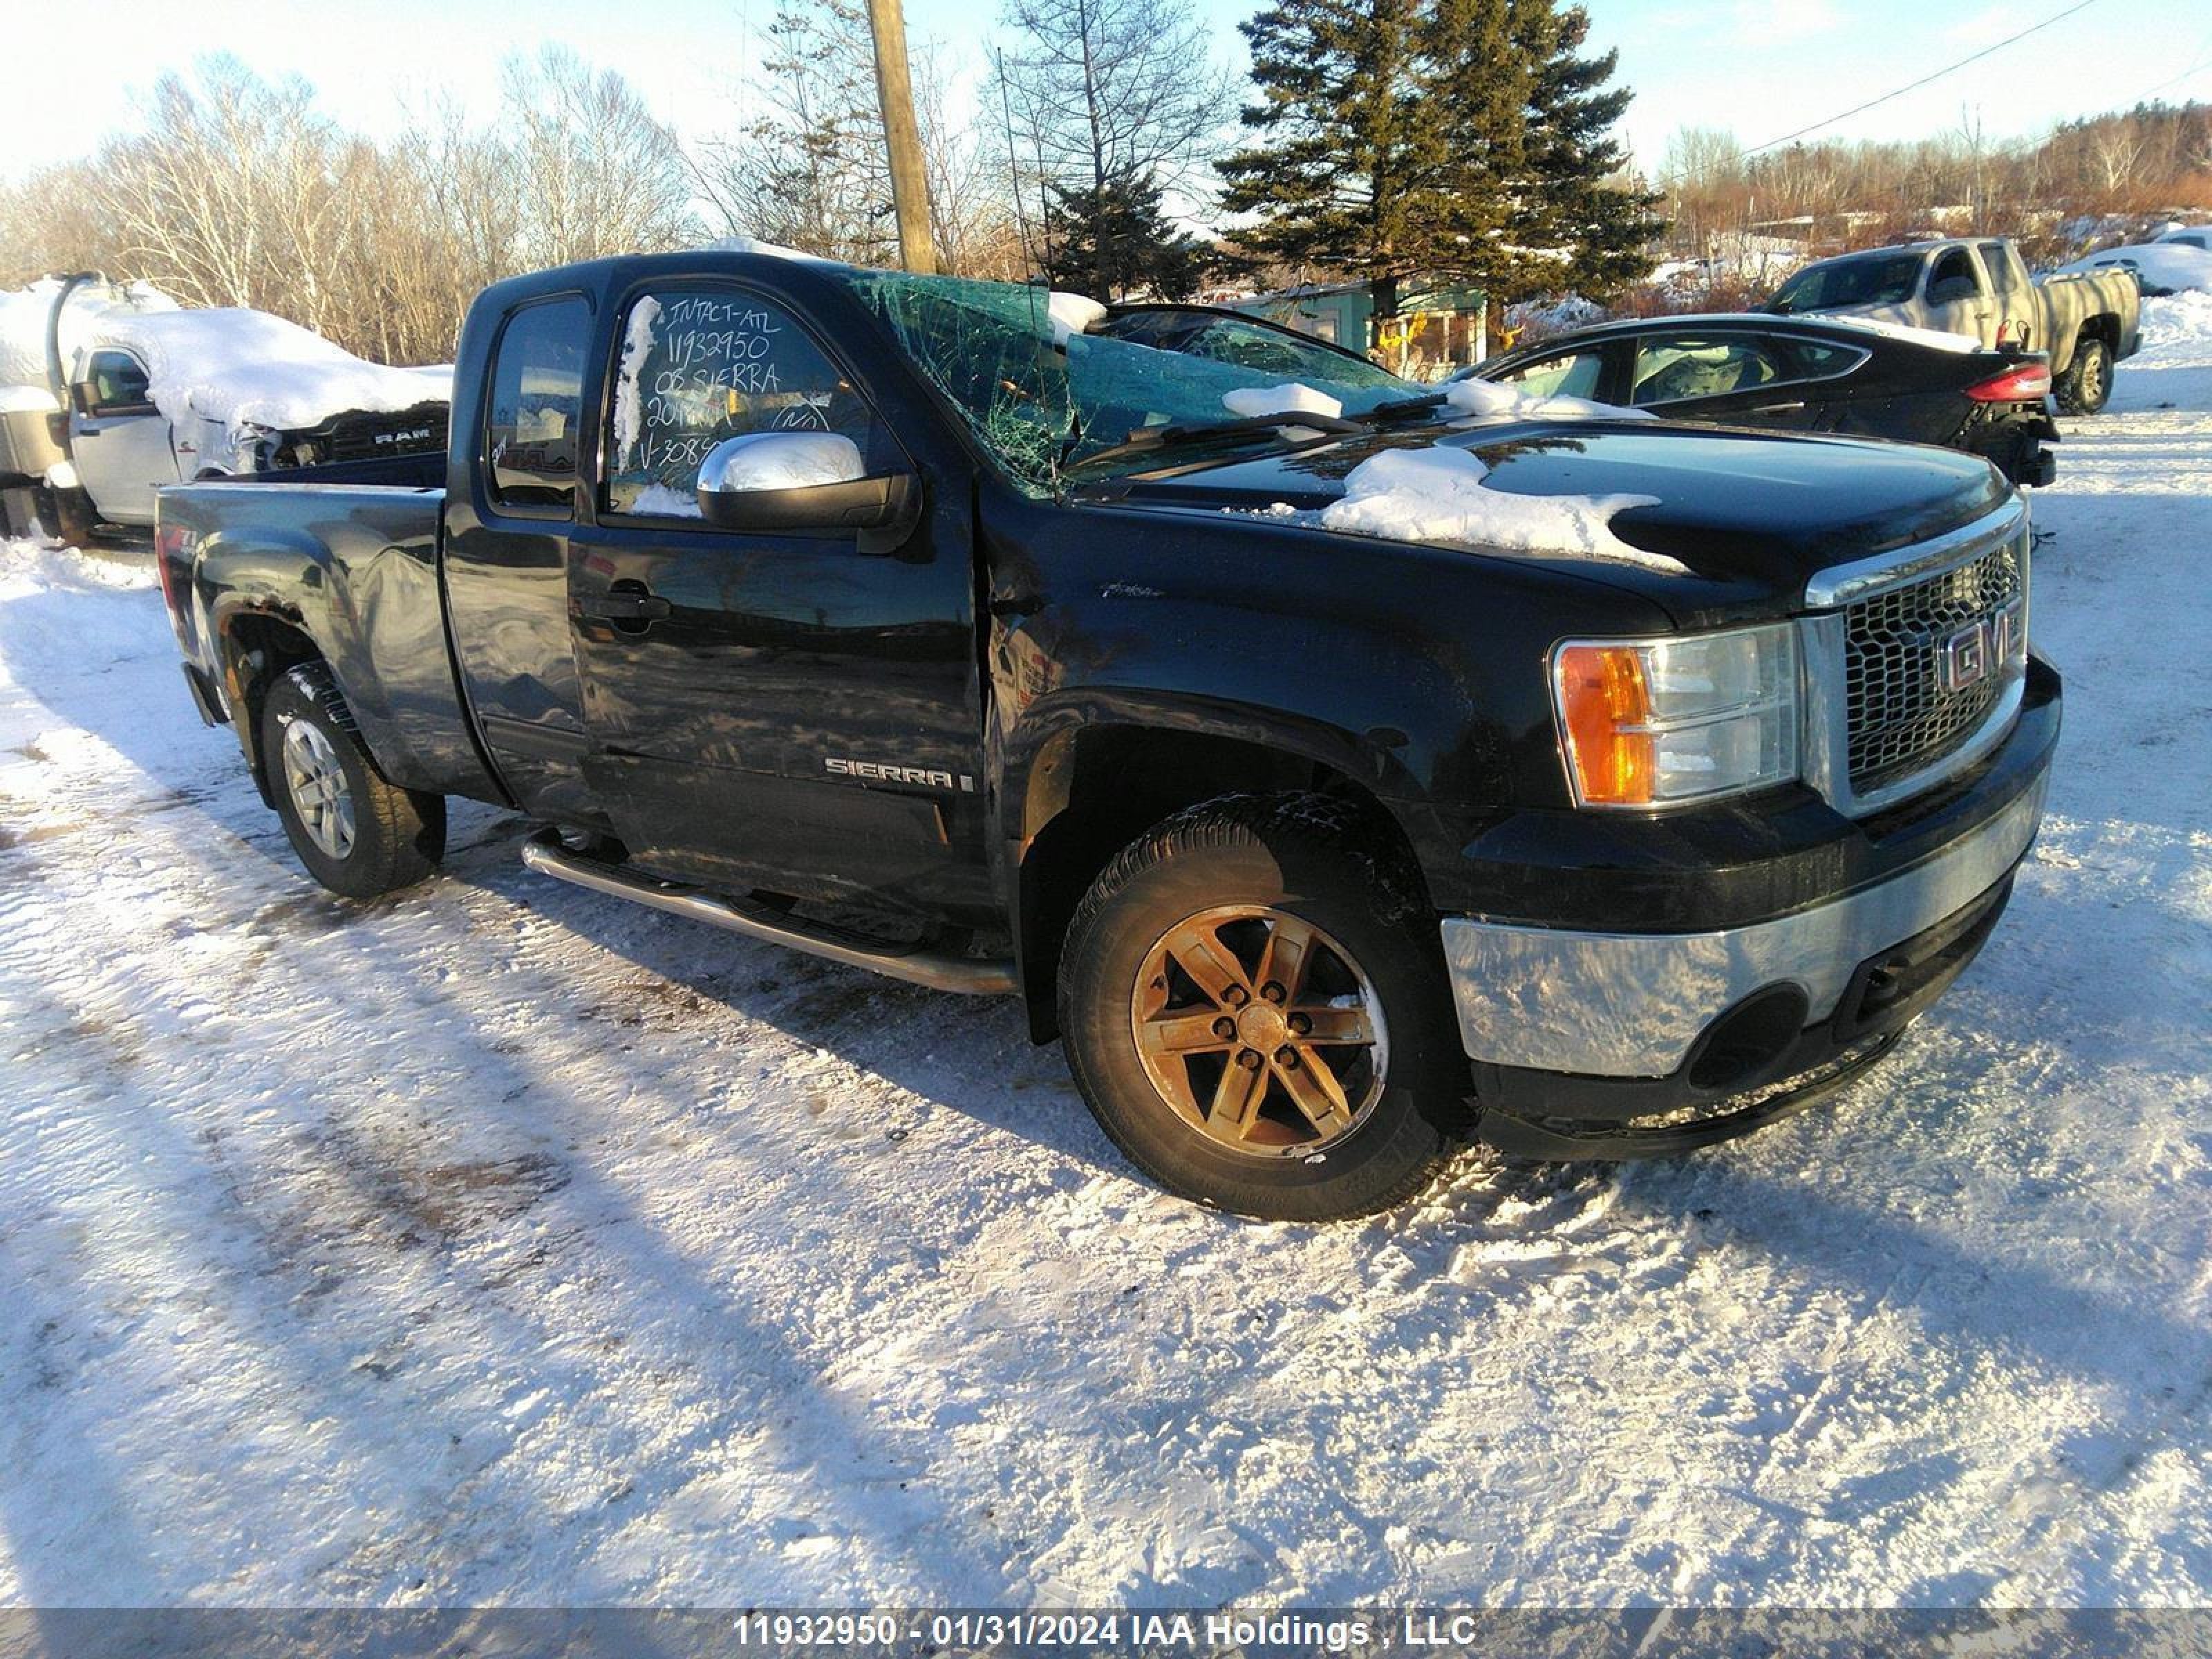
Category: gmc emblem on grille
[1965,659]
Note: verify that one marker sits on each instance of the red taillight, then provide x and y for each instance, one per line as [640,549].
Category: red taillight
[2030,383]
[169,543]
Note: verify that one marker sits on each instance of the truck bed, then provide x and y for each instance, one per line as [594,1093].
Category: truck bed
[352,567]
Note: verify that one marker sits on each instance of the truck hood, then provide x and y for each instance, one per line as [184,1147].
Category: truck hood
[1748,516]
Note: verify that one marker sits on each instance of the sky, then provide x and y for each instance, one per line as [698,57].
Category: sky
[1760,67]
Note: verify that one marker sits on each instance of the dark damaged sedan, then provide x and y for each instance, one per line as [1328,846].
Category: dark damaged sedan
[1806,374]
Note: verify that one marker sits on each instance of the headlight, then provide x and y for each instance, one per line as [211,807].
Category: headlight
[1659,722]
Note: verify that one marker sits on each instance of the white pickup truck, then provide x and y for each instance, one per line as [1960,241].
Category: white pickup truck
[139,394]
[1981,289]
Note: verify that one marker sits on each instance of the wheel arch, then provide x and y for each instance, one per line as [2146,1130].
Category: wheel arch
[257,645]
[1089,788]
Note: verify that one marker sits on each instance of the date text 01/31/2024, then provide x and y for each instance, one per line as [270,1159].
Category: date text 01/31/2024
[1203,1632]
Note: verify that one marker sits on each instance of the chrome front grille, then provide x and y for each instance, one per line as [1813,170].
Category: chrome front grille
[1903,715]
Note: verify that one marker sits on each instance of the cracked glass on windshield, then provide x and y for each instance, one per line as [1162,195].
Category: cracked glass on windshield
[1042,407]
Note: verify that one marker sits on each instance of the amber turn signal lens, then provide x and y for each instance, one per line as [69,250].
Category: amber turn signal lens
[1603,698]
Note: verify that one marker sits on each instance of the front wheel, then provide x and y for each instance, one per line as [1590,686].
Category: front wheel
[1256,1016]
[358,835]
[2086,385]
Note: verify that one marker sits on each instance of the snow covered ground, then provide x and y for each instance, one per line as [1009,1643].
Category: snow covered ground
[503,1242]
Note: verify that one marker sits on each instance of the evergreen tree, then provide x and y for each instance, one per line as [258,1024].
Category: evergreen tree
[1576,201]
[1116,239]
[1389,132]
[1462,139]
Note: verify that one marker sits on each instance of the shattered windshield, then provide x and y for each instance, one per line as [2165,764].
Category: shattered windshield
[1042,399]
[1884,280]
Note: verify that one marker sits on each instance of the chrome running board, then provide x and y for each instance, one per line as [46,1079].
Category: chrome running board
[970,976]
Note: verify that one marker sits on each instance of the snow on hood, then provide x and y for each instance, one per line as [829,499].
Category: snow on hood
[1495,398]
[1440,495]
[1294,398]
[248,368]
[23,328]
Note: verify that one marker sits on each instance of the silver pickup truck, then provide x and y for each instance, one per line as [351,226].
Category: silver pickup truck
[1981,289]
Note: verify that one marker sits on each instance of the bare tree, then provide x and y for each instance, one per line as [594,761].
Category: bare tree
[811,171]
[602,175]
[1103,95]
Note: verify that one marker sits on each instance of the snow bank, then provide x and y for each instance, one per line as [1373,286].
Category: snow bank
[1293,398]
[1070,314]
[1496,399]
[248,369]
[1440,495]
[2173,266]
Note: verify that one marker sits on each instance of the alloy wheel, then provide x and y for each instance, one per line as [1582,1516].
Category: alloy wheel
[316,779]
[1259,1031]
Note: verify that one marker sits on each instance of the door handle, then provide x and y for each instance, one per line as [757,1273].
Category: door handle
[626,602]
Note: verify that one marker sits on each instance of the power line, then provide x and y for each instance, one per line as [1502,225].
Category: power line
[1924,80]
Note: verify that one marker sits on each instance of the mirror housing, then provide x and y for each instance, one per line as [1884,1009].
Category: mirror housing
[772,481]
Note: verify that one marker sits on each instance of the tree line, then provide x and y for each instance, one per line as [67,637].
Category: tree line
[1381,140]
[2054,191]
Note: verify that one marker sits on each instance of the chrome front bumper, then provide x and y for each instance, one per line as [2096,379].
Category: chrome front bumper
[1634,1005]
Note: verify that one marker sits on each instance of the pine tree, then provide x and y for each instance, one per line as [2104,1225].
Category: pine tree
[1388,129]
[1118,240]
[1462,139]
[1573,200]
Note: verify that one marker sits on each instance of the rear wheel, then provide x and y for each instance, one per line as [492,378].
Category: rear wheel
[1255,1016]
[2086,385]
[357,834]
[63,515]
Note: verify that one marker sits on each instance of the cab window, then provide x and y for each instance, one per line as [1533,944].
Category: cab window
[115,383]
[1575,374]
[699,365]
[1951,278]
[1671,367]
[537,396]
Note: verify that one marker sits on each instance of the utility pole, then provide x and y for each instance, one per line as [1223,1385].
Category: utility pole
[902,136]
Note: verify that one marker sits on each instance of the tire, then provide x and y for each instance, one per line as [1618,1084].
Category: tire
[2086,385]
[63,515]
[358,835]
[1227,1122]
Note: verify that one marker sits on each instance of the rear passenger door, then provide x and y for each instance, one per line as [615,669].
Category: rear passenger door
[2012,307]
[791,710]
[506,554]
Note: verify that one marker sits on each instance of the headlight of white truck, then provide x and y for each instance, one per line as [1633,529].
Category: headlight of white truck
[1650,723]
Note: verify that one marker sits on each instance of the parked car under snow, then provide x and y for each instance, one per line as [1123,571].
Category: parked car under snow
[1805,375]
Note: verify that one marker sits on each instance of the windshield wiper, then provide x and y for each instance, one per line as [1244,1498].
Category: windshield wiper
[1147,439]
[1403,409]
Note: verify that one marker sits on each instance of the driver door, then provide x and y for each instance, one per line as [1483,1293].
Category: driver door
[789,710]
[118,441]
[1958,296]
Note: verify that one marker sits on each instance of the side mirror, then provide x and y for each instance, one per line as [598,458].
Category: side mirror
[801,481]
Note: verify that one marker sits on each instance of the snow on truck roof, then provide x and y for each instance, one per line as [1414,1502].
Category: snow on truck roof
[247,367]
[239,367]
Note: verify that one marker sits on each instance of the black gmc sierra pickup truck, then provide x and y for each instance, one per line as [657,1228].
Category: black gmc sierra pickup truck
[1005,647]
